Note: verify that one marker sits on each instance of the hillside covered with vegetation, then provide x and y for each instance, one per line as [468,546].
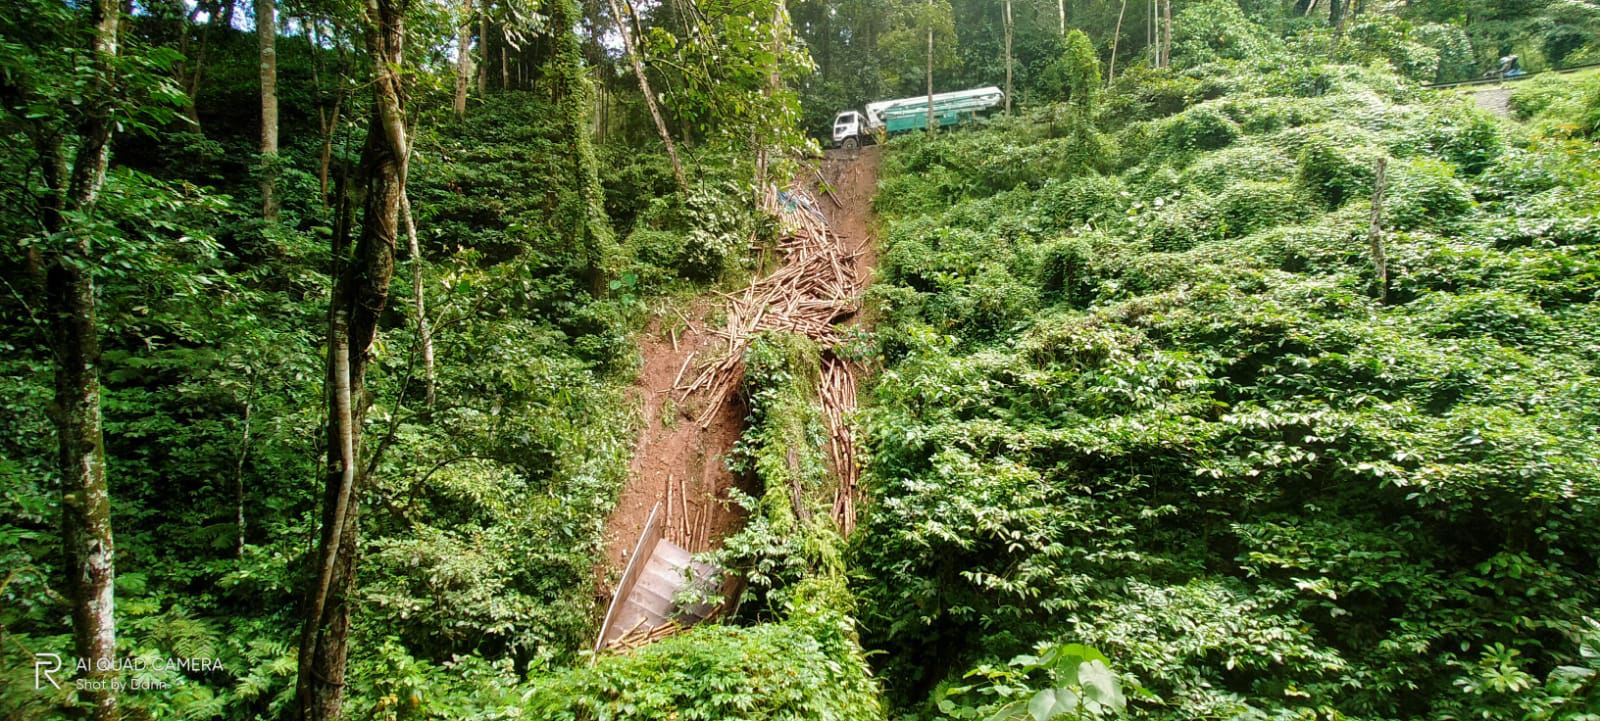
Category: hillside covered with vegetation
[1225,372]
[1155,398]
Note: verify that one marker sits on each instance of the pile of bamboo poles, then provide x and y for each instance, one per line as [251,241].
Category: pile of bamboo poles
[688,527]
[816,287]
[640,636]
[837,391]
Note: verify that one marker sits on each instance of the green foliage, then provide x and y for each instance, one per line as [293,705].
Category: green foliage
[1201,127]
[723,72]
[1423,191]
[1075,76]
[1079,685]
[1561,105]
[1334,173]
[1183,433]
[805,667]
[1214,30]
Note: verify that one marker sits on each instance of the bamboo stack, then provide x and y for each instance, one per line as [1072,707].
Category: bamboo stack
[639,636]
[837,391]
[816,287]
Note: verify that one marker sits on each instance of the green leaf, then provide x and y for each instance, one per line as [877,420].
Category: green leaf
[1100,685]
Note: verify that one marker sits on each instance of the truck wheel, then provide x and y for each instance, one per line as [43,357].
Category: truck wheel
[850,143]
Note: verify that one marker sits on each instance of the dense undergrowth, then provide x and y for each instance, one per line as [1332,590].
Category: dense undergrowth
[1147,398]
[791,651]
[485,522]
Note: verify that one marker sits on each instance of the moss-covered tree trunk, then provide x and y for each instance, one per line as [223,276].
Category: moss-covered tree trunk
[361,292]
[590,226]
[1009,28]
[69,291]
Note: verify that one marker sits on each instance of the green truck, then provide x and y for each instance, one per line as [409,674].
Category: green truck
[853,129]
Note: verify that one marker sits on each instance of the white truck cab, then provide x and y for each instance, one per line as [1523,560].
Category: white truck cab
[850,130]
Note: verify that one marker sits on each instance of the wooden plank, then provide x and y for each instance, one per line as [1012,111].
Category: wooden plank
[630,574]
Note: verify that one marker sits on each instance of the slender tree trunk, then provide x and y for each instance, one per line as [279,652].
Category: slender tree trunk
[931,125]
[505,63]
[74,339]
[1336,15]
[483,50]
[1116,37]
[1380,263]
[86,501]
[360,295]
[1061,16]
[238,468]
[1008,55]
[327,116]
[330,126]
[192,86]
[1166,37]
[419,300]
[267,38]
[463,59]
[649,97]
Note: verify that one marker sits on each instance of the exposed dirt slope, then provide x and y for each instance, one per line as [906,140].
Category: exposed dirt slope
[674,456]
[673,451]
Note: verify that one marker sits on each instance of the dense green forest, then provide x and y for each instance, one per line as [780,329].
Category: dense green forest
[1227,371]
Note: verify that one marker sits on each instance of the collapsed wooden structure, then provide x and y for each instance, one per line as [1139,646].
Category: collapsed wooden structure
[649,602]
[815,287]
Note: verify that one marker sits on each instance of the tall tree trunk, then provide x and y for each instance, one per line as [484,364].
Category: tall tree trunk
[931,126]
[649,97]
[1336,15]
[463,58]
[191,87]
[1166,37]
[267,39]
[1380,263]
[238,468]
[329,120]
[825,57]
[1061,16]
[1116,37]
[1150,24]
[483,50]
[361,292]
[1008,55]
[419,301]
[75,344]
[505,62]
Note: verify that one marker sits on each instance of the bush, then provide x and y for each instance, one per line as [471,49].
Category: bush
[1248,206]
[1240,163]
[1424,192]
[1458,132]
[1088,199]
[1203,127]
[1064,272]
[1506,317]
[808,667]
[1215,30]
[1335,173]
